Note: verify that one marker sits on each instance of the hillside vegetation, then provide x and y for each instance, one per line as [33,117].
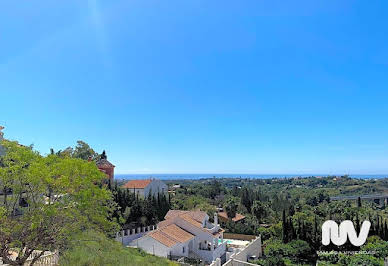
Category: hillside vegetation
[95,249]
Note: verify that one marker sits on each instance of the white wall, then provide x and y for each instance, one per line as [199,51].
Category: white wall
[154,247]
[132,234]
[151,246]
[253,249]
[155,187]
[177,250]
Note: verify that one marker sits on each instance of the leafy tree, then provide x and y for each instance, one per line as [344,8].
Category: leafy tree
[84,151]
[60,196]
[231,207]
[377,246]
[359,260]
[259,210]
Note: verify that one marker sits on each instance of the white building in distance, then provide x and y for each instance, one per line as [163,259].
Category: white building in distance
[145,187]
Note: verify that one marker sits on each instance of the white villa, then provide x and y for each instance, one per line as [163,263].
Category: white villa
[145,187]
[185,234]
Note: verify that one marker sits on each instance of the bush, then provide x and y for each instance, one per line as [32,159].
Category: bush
[272,261]
[296,250]
[94,249]
[360,260]
[377,245]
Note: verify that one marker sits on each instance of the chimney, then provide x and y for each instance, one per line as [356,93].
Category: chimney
[215,218]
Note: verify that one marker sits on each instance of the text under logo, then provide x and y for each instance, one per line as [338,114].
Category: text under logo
[340,234]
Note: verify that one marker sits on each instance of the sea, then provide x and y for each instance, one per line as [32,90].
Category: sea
[253,176]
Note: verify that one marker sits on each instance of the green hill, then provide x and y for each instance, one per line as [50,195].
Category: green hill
[94,249]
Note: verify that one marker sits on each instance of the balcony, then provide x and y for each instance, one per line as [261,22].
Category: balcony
[207,254]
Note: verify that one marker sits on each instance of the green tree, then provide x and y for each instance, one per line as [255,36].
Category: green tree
[84,151]
[60,196]
[231,207]
[359,205]
[259,210]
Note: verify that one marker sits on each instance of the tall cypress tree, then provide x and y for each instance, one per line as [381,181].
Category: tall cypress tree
[385,231]
[357,224]
[315,235]
[284,225]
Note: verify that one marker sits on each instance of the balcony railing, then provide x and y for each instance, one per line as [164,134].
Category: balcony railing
[210,255]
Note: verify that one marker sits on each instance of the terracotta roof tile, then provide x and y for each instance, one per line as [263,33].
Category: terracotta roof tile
[237,218]
[162,238]
[171,235]
[165,222]
[198,216]
[137,183]
[187,217]
[104,163]
[174,213]
[177,233]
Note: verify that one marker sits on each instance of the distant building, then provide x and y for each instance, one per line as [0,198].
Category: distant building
[223,216]
[108,168]
[185,234]
[145,187]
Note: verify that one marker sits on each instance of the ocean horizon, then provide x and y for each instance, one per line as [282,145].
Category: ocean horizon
[253,176]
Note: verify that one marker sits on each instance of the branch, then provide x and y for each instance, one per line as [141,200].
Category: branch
[37,257]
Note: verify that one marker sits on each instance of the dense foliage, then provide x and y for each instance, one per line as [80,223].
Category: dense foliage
[94,249]
[288,214]
[135,210]
[47,199]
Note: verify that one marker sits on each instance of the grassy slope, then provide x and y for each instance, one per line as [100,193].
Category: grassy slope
[95,249]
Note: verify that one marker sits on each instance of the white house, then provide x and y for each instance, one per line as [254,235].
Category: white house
[185,234]
[145,187]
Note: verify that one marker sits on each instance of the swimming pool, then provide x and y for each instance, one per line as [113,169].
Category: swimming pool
[234,242]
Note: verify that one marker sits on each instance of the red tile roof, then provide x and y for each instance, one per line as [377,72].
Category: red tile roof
[171,235]
[237,218]
[137,183]
[104,163]
[165,222]
[187,217]
[198,216]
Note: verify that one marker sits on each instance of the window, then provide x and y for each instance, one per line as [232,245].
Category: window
[183,250]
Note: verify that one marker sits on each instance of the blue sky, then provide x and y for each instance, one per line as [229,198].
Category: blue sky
[201,86]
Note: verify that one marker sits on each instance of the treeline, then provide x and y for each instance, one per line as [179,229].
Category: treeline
[133,209]
[298,229]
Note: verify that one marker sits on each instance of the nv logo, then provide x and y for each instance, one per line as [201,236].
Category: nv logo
[340,234]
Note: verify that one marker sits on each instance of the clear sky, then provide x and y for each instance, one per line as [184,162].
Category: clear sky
[201,86]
